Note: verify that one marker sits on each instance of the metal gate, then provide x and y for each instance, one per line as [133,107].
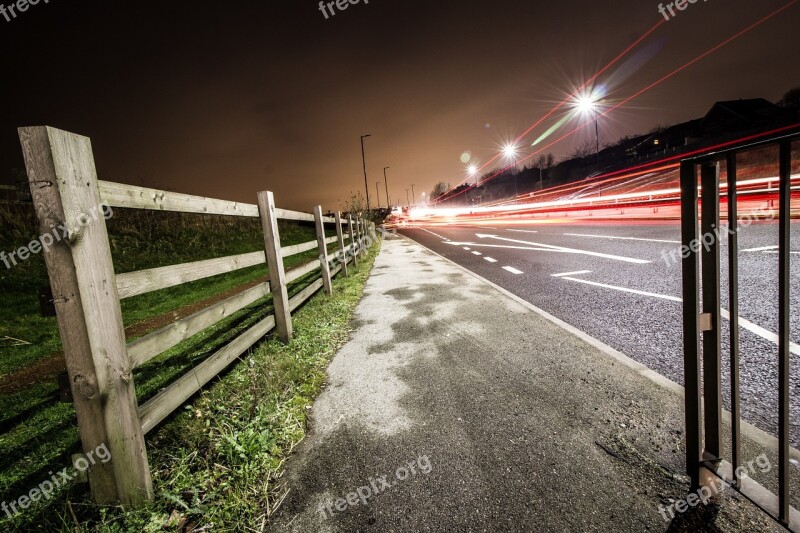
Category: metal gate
[701,325]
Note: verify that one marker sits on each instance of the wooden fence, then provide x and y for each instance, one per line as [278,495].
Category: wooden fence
[87,294]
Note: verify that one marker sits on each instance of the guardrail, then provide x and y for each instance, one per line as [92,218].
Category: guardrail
[87,295]
[702,325]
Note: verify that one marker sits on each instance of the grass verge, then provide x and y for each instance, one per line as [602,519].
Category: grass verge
[217,463]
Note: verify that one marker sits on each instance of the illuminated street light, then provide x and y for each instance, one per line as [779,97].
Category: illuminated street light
[587,105]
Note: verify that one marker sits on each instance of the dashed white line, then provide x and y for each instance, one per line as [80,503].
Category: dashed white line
[571,273]
[491,259]
[467,249]
[476,253]
[620,238]
[524,230]
[513,270]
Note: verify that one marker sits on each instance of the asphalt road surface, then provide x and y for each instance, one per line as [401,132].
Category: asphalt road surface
[619,283]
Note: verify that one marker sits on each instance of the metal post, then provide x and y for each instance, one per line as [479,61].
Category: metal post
[733,299]
[784,292]
[691,311]
[386,184]
[712,338]
[364,161]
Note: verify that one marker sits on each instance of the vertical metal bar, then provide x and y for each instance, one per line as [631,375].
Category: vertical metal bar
[733,299]
[691,308]
[783,329]
[712,339]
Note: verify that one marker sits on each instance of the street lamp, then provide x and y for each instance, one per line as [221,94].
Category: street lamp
[408,202]
[378,194]
[510,152]
[386,184]
[588,105]
[413,194]
[364,161]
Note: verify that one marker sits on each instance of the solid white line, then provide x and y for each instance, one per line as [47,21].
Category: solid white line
[571,273]
[524,230]
[763,248]
[476,253]
[568,250]
[621,238]
[777,252]
[435,234]
[491,259]
[625,289]
[744,323]
[513,270]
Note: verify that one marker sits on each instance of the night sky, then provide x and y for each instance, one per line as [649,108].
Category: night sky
[227,98]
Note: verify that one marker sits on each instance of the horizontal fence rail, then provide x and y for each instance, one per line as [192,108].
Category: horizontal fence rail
[99,358]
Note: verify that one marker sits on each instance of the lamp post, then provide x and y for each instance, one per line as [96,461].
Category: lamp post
[588,105]
[364,161]
[413,194]
[378,194]
[386,184]
[408,202]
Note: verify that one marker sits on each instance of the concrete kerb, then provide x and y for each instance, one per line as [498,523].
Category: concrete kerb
[756,435]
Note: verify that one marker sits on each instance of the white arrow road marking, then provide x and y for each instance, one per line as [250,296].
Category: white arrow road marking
[552,248]
[513,270]
[491,259]
[620,238]
[571,273]
[746,324]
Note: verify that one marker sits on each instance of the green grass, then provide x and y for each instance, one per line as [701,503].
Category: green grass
[37,433]
[217,460]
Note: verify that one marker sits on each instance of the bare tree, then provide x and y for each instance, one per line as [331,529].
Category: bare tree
[439,189]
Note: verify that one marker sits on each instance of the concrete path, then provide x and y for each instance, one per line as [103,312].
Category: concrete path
[456,408]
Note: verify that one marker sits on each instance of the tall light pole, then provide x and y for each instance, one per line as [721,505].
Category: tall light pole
[510,151]
[588,105]
[413,195]
[386,184]
[378,194]
[408,202]
[364,161]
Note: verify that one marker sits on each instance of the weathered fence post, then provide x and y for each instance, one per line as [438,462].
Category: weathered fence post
[63,180]
[353,248]
[323,250]
[340,236]
[277,275]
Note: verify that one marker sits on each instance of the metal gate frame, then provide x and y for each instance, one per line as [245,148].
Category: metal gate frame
[702,332]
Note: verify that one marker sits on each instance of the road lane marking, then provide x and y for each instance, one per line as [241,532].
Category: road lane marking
[491,259]
[476,253]
[625,289]
[777,252]
[524,230]
[486,227]
[744,323]
[435,234]
[621,238]
[761,249]
[550,247]
[513,270]
[467,249]
[571,273]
